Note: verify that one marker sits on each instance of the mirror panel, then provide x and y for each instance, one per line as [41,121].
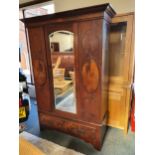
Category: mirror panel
[62,55]
[61,41]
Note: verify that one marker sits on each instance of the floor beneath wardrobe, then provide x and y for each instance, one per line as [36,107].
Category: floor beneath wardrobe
[115,142]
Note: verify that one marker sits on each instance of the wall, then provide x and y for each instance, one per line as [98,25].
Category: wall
[22,43]
[22,36]
[24,1]
[120,6]
[65,41]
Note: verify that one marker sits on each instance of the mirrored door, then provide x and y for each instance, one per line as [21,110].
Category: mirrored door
[63,71]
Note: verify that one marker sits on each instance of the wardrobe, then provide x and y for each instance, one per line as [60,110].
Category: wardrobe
[121,70]
[70,59]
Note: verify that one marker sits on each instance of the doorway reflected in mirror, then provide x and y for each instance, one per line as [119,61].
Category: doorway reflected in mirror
[61,41]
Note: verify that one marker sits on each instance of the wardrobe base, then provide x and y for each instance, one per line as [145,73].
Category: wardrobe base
[89,132]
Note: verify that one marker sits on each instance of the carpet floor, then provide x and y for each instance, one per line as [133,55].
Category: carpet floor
[47,147]
[67,104]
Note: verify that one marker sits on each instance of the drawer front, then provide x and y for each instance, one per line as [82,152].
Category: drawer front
[116,108]
[88,133]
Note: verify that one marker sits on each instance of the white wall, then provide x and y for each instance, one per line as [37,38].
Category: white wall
[120,6]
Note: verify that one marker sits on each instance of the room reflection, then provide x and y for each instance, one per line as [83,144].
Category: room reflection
[62,55]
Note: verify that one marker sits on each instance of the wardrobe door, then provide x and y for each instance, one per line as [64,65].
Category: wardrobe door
[121,70]
[38,55]
[60,44]
[121,59]
[117,51]
[89,69]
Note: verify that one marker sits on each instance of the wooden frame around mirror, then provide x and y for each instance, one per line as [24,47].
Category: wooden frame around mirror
[49,30]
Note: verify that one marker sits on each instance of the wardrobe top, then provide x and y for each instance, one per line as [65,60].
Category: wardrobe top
[72,13]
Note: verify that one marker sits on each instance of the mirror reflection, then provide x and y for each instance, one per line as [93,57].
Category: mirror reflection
[62,55]
[61,41]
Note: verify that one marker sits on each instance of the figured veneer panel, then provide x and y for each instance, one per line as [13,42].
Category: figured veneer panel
[89,71]
[40,70]
[91,133]
[90,76]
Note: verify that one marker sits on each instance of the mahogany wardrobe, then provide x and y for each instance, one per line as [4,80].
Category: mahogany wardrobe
[69,52]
